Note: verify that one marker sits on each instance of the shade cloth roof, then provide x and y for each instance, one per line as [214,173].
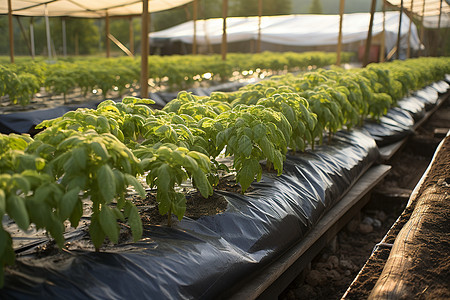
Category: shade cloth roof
[293,30]
[86,8]
[429,9]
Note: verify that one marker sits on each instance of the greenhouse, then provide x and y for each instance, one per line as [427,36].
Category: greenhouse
[224,149]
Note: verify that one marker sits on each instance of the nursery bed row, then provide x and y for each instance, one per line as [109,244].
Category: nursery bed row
[274,279]
[20,81]
[197,130]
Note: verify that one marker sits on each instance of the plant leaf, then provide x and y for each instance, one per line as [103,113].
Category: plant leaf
[106,183]
[18,211]
[68,202]
[108,223]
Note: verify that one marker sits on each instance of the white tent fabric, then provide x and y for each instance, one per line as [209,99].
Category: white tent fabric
[433,21]
[86,8]
[429,9]
[294,30]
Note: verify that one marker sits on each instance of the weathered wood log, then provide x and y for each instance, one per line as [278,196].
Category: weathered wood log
[415,250]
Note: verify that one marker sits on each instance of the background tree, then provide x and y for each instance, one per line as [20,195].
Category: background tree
[316,7]
[120,29]
[241,8]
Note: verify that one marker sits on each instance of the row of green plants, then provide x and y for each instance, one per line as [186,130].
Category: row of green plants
[97,153]
[21,81]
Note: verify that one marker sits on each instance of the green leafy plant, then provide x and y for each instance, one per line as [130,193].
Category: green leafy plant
[168,166]
[251,134]
[96,166]
[296,110]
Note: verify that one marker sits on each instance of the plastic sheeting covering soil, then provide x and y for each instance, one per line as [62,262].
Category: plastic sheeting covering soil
[23,122]
[398,123]
[204,258]
[208,257]
[394,126]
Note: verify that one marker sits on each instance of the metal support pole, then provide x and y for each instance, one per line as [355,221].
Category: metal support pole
[194,18]
[64,36]
[224,34]
[397,55]
[258,45]
[369,34]
[144,50]
[108,46]
[341,19]
[47,30]
[11,33]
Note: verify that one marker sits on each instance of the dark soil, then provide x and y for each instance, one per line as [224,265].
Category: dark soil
[196,204]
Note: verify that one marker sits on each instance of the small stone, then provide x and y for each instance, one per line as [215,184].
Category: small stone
[381,215]
[365,228]
[305,292]
[333,261]
[333,275]
[322,266]
[367,220]
[315,278]
[347,273]
[290,295]
[352,226]
[376,223]
[347,264]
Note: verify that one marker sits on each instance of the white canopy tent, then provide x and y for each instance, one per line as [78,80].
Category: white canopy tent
[86,8]
[431,10]
[294,30]
[433,15]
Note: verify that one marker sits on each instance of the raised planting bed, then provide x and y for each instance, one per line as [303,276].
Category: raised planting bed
[212,253]
[289,174]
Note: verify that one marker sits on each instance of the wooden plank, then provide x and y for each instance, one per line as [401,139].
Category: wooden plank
[120,45]
[388,151]
[108,45]
[144,49]
[131,34]
[395,281]
[383,35]
[369,34]
[258,44]
[194,20]
[324,230]
[11,32]
[399,30]
[431,111]
[339,46]
[224,29]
